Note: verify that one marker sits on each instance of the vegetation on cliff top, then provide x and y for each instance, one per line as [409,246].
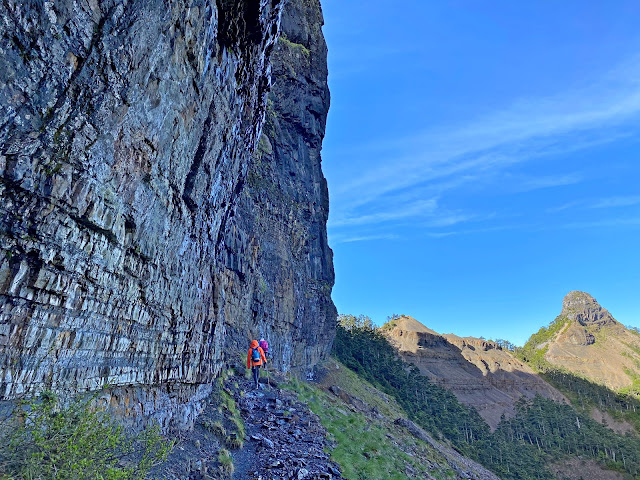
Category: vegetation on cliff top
[534,350]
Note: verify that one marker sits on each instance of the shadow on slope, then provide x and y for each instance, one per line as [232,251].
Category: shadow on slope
[479,372]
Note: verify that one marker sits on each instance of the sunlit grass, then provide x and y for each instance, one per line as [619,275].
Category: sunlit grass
[363,448]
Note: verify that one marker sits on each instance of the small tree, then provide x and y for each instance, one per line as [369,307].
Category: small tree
[506,344]
[349,322]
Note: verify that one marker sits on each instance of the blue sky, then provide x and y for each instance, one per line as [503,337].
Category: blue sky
[482,160]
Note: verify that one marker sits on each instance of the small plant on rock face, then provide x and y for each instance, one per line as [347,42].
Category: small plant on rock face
[48,442]
[226,461]
[239,424]
[233,442]
[215,427]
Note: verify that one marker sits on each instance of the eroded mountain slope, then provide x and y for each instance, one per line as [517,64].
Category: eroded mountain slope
[479,372]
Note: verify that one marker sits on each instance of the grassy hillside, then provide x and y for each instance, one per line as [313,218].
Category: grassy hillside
[534,350]
[366,444]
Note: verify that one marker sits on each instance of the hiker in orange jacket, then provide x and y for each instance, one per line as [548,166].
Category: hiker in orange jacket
[255,358]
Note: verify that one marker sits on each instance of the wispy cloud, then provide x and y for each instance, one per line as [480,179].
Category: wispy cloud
[439,162]
[566,206]
[338,239]
[607,202]
[550,182]
[624,201]
[612,222]
[409,210]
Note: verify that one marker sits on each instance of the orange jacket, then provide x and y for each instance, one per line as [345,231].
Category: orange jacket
[262,360]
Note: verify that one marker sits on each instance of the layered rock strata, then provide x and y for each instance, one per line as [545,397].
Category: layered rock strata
[277,242]
[479,372]
[126,135]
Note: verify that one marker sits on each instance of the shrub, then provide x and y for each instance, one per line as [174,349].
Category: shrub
[215,427]
[46,441]
[233,442]
[226,461]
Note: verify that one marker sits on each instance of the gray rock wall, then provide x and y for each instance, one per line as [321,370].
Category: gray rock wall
[278,247]
[126,130]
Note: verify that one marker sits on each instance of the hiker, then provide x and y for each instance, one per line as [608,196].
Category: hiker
[255,358]
[265,347]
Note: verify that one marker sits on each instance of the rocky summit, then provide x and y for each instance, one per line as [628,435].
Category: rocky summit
[591,343]
[142,234]
[582,308]
[479,372]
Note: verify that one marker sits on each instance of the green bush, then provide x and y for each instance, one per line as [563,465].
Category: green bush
[45,441]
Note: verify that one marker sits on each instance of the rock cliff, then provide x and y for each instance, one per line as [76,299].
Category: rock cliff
[280,225]
[479,372]
[129,244]
[593,344]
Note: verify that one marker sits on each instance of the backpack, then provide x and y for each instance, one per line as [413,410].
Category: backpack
[255,355]
[264,346]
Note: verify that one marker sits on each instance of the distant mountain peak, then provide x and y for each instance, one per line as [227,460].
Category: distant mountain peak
[581,307]
[410,324]
[585,339]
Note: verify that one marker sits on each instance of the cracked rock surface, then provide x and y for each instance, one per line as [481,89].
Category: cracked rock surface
[127,132]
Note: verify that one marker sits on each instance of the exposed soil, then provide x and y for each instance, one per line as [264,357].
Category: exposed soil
[620,427]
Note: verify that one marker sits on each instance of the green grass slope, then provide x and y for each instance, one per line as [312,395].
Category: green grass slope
[369,446]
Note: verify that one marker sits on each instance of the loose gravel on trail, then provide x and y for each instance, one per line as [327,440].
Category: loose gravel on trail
[285,440]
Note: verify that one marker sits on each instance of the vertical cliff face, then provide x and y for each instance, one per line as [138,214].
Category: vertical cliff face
[278,247]
[126,135]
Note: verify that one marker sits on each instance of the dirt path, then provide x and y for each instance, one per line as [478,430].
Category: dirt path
[284,439]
